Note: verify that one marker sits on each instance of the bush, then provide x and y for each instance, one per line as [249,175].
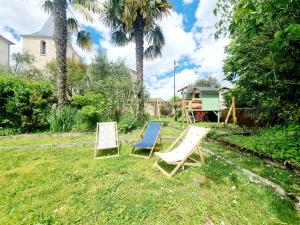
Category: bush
[8,131]
[166,109]
[62,120]
[88,117]
[24,104]
[91,109]
[129,122]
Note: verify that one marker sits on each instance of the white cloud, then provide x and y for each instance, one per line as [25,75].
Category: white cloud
[178,44]
[209,55]
[24,17]
[186,2]
[197,46]
[164,88]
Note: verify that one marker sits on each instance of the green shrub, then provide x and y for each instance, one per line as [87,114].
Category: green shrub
[88,117]
[91,107]
[24,104]
[129,122]
[62,120]
[9,131]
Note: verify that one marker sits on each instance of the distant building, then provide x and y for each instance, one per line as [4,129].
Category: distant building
[4,50]
[42,46]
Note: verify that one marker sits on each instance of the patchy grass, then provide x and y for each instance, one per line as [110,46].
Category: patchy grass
[282,142]
[39,139]
[66,186]
[281,176]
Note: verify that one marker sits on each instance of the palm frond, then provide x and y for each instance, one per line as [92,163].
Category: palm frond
[72,24]
[119,38]
[155,36]
[84,40]
[90,5]
[47,6]
[84,11]
[152,52]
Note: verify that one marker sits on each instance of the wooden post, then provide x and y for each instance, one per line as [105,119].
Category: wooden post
[234,119]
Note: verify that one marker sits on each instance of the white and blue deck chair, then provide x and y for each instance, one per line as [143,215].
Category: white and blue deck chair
[106,139]
[148,138]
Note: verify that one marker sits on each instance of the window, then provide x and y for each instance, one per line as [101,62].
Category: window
[43,48]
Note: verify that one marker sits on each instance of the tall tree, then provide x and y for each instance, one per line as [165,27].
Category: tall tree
[63,26]
[263,57]
[207,82]
[135,21]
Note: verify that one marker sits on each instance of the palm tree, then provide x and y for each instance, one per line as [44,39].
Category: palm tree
[136,20]
[63,25]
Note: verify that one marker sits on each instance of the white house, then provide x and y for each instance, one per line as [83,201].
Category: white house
[4,50]
[42,46]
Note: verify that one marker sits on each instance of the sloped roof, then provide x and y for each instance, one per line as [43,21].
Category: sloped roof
[47,29]
[6,40]
[192,88]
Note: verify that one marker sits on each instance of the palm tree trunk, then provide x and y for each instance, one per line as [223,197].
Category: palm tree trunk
[61,36]
[139,54]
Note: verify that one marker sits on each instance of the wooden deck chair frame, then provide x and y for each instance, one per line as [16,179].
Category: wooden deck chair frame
[97,139]
[196,148]
[150,148]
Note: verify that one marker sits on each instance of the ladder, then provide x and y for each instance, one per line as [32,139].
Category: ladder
[189,115]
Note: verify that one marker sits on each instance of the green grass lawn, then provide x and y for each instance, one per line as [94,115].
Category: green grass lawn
[50,185]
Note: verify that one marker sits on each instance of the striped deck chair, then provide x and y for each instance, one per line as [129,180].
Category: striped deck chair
[106,139]
[182,154]
[148,138]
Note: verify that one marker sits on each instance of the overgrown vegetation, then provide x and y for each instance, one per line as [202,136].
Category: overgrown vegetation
[263,56]
[24,104]
[62,120]
[282,142]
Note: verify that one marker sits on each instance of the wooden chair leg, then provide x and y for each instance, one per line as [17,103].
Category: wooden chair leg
[200,154]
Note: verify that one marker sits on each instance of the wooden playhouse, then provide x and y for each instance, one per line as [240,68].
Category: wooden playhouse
[198,101]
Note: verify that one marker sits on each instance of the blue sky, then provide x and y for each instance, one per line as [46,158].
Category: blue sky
[189,33]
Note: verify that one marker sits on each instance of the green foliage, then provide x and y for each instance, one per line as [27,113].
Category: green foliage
[130,19]
[207,82]
[22,66]
[8,131]
[62,120]
[77,80]
[86,9]
[263,56]
[88,116]
[129,122]
[281,142]
[24,104]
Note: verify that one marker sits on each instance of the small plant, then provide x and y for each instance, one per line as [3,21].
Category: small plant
[62,120]
[129,122]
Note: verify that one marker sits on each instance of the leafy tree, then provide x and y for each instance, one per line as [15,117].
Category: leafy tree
[21,61]
[264,55]
[136,21]
[23,66]
[207,82]
[59,9]
[77,80]
[111,93]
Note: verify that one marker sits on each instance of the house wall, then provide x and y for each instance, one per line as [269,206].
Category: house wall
[210,102]
[4,52]
[32,45]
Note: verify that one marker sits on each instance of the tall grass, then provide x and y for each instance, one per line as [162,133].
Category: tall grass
[62,120]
